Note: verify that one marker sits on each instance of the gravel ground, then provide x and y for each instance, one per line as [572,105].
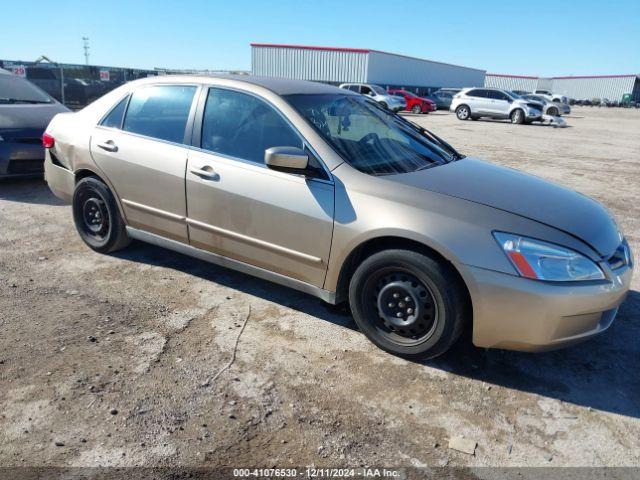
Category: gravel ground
[108,360]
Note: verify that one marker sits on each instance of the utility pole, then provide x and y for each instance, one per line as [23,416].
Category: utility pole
[85,45]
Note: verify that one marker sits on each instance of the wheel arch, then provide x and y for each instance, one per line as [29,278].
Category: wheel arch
[87,172]
[374,245]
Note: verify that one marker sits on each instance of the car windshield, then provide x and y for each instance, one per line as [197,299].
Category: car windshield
[370,138]
[16,90]
[513,95]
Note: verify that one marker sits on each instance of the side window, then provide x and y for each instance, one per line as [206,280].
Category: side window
[354,88]
[114,118]
[243,126]
[160,111]
[497,95]
[365,90]
[477,93]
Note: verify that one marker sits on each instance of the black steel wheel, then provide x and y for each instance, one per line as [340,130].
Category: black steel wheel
[404,305]
[408,303]
[96,216]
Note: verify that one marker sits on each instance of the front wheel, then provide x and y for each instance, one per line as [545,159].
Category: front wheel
[416,109]
[553,112]
[97,218]
[463,112]
[517,116]
[408,304]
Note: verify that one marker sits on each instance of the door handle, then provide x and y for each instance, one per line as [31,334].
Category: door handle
[205,172]
[109,146]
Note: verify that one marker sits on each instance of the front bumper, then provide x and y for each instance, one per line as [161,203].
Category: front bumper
[516,313]
[21,158]
[531,114]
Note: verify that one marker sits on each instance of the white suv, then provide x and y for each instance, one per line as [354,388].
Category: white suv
[379,94]
[474,103]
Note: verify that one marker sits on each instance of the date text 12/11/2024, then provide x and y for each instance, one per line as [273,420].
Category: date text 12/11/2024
[316,473]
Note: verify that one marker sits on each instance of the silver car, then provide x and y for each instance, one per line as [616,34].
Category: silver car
[321,189]
[475,103]
[552,108]
[379,94]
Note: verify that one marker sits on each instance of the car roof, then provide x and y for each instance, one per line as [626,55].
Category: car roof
[280,86]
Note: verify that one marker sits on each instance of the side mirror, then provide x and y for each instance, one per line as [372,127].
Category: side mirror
[286,159]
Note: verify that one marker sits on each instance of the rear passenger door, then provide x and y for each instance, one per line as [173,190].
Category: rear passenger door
[241,209]
[478,101]
[141,147]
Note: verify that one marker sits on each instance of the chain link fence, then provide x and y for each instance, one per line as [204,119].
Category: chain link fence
[75,85]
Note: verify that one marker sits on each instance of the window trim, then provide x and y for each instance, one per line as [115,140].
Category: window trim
[196,134]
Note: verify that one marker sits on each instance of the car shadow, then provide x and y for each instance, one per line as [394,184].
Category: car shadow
[601,373]
[140,252]
[28,190]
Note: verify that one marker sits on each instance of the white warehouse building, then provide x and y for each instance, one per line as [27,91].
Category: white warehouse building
[353,65]
[613,87]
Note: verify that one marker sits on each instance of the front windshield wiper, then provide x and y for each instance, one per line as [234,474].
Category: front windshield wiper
[20,100]
[432,136]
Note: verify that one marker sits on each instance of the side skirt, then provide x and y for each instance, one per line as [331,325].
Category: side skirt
[327,296]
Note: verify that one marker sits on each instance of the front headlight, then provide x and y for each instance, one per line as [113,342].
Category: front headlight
[545,261]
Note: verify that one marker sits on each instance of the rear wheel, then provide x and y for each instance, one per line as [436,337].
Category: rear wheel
[97,218]
[553,111]
[408,303]
[416,109]
[517,116]
[463,112]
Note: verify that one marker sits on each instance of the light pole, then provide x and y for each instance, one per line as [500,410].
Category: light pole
[85,45]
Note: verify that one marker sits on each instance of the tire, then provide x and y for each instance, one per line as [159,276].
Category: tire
[435,300]
[384,105]
[475,118]
[517,116]
[416,109]
[463,112]
[97,218]
[553,111]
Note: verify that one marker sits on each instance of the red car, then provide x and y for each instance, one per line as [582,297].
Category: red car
[415,104]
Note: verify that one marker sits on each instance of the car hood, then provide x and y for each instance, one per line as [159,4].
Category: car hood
[31,116]
[521,194]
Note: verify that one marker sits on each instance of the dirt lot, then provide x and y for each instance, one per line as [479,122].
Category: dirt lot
[107,360]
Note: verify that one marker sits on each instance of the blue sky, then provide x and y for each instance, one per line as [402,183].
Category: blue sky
[535,38]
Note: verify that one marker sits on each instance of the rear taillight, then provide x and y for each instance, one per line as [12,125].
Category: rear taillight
[47,140]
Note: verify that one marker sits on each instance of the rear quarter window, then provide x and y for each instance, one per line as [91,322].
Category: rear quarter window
[114,117]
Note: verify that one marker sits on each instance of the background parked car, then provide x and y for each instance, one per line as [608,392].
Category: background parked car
[442,99]
[25,112]
[379,94]
[553,97]
[554,109]
[415,104]
[474,103]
